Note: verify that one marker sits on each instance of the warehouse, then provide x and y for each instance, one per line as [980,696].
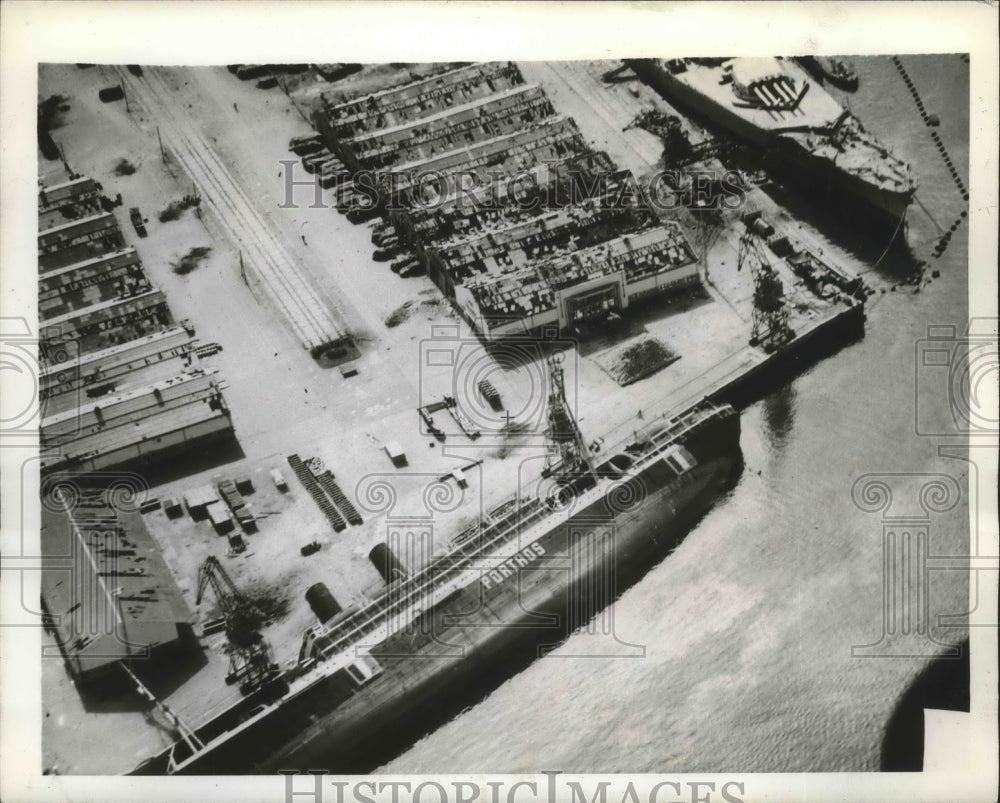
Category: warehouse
[469,209]
[136,363]
[68,200]
[106,591]
[130,426]
[113,321]
[572,290]
[103,278]
[426,181]
[478,120]
[412,101]
[78,240]
[119,382]
[533,235]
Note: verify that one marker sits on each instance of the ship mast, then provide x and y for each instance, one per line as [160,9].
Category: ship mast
[566,451]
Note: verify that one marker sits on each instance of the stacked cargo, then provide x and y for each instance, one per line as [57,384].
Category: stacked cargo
[237,504]
[339,498]
[319,481]
[307,478]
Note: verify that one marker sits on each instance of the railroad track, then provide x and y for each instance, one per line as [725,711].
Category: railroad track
[313,320]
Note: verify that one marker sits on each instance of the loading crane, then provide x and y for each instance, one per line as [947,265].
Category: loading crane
[770,315]
[679,151]
[250,661]
[566,451]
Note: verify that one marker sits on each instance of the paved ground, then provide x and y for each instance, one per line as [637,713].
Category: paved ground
[308,268]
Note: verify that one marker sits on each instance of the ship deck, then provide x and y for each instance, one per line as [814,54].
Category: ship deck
[818,111]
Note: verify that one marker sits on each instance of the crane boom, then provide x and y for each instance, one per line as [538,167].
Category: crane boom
[212,572]
[567,451]
[770,315]
[249,655]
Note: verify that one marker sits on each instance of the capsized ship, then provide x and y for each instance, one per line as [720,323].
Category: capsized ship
[534,569]
[803,131]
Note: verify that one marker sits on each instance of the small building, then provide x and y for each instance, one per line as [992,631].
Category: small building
[199,499]
[396,454]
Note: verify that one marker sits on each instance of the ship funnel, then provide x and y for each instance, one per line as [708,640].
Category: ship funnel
[322,602]
[764,99]
[387,563]
[772,99]
[782,88]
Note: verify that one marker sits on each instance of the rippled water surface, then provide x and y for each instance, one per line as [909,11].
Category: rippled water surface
[748,626]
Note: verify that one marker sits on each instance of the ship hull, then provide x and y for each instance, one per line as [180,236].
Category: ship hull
[821,69]
[785,155]
[466,646]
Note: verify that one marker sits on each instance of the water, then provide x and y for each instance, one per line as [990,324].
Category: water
[748,626]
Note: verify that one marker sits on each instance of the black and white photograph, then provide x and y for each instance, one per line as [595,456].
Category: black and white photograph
[500,422]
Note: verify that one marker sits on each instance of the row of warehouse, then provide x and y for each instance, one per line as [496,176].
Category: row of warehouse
[120,380]
[499,198]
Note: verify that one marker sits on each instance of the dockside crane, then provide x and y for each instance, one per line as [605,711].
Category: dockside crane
[250,661]
[678,150]
[770,314]
[566,452]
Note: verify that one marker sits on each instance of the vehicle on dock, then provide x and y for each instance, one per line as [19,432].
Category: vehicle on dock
[135,216]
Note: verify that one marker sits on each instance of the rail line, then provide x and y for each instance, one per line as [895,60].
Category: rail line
[313,321]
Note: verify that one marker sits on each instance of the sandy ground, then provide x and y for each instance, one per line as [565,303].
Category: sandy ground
[283,402]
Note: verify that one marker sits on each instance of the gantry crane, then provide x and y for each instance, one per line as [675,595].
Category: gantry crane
[770,315]
[566,453]
[249,656]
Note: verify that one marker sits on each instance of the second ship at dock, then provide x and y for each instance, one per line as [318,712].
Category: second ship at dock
[801,130]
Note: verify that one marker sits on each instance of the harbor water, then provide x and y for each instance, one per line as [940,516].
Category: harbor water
[746,630]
